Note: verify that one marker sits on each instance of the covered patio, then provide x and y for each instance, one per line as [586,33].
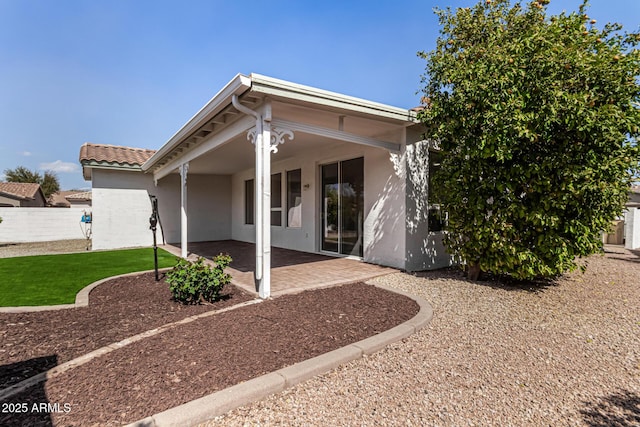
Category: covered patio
[291,271]
[268,161]
[277,164]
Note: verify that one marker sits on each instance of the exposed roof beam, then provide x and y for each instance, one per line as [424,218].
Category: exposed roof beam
[336,134]
[242,125]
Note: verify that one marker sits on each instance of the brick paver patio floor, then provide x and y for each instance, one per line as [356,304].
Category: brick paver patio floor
[291,271]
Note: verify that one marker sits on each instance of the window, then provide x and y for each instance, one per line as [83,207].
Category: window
[248,201]
[294,198]
[437,219]
[276,199]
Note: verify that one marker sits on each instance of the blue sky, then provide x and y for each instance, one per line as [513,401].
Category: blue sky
[132,72]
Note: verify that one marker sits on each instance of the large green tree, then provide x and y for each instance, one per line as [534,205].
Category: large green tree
[537,118]
[48,182]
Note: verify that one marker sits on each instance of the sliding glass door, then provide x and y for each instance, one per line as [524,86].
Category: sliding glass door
[343,206]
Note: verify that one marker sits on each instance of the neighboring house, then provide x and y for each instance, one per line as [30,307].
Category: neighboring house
[70,198]
[81,199]
[17,194]
[338,175]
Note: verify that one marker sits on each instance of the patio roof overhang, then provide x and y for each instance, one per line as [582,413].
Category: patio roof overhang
[329,115]
[265,111]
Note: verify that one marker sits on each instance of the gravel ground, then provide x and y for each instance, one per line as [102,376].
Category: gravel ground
[566,354]
[40,248]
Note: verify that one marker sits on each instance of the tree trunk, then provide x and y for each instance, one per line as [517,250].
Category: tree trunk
[474,271]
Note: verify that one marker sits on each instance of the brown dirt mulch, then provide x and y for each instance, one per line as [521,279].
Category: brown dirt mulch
[210,354]
[35,342]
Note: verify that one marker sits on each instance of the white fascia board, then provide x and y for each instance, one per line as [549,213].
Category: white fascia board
[215,141]
[237,86]
[294,91]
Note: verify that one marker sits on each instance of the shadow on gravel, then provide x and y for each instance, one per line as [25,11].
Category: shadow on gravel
[621,409]
[32,407]
[13,373]
[634,257]
[491,280]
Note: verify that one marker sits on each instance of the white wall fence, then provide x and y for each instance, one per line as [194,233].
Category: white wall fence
[632,228]
[40,224]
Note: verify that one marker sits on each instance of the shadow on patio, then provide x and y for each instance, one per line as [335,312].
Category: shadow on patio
[291,271]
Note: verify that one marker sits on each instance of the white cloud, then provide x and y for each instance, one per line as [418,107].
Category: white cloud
[26,153]
[60,166]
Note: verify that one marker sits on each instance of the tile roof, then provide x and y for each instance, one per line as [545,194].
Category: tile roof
[61,198]
[114,154]
[20,190]
[82,195]
[57,199]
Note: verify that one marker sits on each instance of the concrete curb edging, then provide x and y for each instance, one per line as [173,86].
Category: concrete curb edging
[82,297]
[223,401]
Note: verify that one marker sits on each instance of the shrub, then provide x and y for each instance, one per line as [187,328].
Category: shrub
[193,282]
[537,121]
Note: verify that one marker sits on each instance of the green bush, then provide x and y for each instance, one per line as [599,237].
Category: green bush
[193,282]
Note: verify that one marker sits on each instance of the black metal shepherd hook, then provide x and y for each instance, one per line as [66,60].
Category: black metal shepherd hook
[153,222]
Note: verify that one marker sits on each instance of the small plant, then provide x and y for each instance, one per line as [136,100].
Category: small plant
[193,282]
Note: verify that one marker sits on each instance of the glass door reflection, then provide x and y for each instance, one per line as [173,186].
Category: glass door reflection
[342,207]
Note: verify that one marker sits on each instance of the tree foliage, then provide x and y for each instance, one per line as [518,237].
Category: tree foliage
[537,118]
[48,182]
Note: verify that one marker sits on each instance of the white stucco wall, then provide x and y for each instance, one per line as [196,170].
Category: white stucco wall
[40,224]
[424,249]
[395,224]
[384,225]
[297,238]
[122,208]
[208,207]
[383,233]
[121,218]
[632,228]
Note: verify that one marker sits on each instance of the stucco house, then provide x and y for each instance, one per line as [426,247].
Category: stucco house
[18,194]
[276,163]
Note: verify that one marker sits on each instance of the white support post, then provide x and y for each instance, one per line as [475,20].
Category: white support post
[259,206]
[184,168]
[264,289]
[266,140]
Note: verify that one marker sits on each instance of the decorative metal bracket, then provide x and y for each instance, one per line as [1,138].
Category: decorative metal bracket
[277,137]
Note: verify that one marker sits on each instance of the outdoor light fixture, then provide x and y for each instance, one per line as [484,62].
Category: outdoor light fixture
[153,222]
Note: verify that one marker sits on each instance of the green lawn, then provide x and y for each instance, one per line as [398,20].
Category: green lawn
[56,279]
